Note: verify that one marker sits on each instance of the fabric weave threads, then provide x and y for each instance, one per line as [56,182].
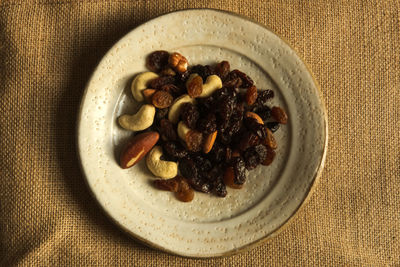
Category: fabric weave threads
[48,49]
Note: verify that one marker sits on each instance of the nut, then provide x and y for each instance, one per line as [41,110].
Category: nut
[174,110]
[159,167]
[143,119]
[148,93]
[140,83]
[255,116]
[192,138]
[183,130]
[137,148]
[209,142]
[212,84]
[178,62]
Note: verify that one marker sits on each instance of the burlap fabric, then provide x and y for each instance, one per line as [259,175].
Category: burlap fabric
[48,50]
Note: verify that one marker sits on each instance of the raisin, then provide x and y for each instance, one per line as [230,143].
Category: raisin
[187,168]
[208,124]
[217,153]
[279,115]
[246,80]
[229,177]
[167,130]
[269,158]
[189,115]
[202,163]
[264,113]
[270,140]
[157,83]
[219,187]
[251,158]
[228,154]
[195,86]
[264,96]
[194,140]
[185,193]
[168,185]
[261,151]
[232,80]
[200,185]
[249,139]
[251,95]
[240,170]
[203,71]
[160,114]
[257,128]
[172,89]
[182,77]
[162,99]
[273,126]
[222,69]
[175,150]
[157,60]
[168,72]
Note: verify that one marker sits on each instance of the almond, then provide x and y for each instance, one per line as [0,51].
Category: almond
[209,142]
[137,148]
[253,115]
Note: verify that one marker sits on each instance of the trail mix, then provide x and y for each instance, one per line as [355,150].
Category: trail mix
[200,127]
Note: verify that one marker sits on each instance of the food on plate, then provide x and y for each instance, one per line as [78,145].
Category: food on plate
[201,127]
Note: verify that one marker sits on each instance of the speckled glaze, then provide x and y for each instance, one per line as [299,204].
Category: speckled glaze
[208,226]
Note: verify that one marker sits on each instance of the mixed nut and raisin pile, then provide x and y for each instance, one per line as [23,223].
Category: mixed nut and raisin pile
[202,127]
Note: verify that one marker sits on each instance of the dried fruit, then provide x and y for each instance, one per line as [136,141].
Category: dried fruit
[203,71]
[229,178]
[168,185]
[175,150]
[249,139]
[187,168]
[160,114]
[157,83]
[178,62]
[264,96]
[251,95]
[189,115]
[273,126]
[157,60]
[168,71]
[279,115]
[194,140]
[167,130]
[172,89]
[194,85]
[240,170]
[137,148]
[185,193]
[208,124]
[270,140]
[269,158]
[222,69]
[209,142]
[162,99]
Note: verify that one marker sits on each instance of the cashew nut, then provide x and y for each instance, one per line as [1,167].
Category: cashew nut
[212,84]
[182,130]
[140,83]
[173,113]
[161,168]
[143,119]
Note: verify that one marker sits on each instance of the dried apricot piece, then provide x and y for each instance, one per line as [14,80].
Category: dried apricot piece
[162,99]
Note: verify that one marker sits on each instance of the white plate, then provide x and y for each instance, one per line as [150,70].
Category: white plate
[208,226]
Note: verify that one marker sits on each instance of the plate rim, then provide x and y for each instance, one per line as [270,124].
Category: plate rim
[309,192]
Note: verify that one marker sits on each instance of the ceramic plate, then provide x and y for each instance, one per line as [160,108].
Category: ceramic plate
[208,226]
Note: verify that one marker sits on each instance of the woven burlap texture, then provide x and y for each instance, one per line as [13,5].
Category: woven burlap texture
[48,49]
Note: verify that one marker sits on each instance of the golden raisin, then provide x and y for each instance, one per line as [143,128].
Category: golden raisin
[194,140]
[229,178]
[270,140]
[168,185]
[251,95]
[185,193]
[279,115]
[162,99]
[195,87]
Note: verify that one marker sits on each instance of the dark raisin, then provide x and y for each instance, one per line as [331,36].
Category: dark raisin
[240,170]
[264,112]
[261,151]
[161,113]
[194,140]
[248,139]
[202,163]
[208,124]
[224,137]
[157,60]
[200,185]
[172,89]
[270,157]
[279,115]
[264,96]
[203,71]
[257,128]
[187,168]
[157,83]
[175,150]
[222,69]
[182,77]
[251,158]
[219,187]
[167,130]
[246,80]
[232,80]
[273,126]
[217,153]
[189,115]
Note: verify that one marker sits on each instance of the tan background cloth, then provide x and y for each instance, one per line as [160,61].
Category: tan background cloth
[48,50]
